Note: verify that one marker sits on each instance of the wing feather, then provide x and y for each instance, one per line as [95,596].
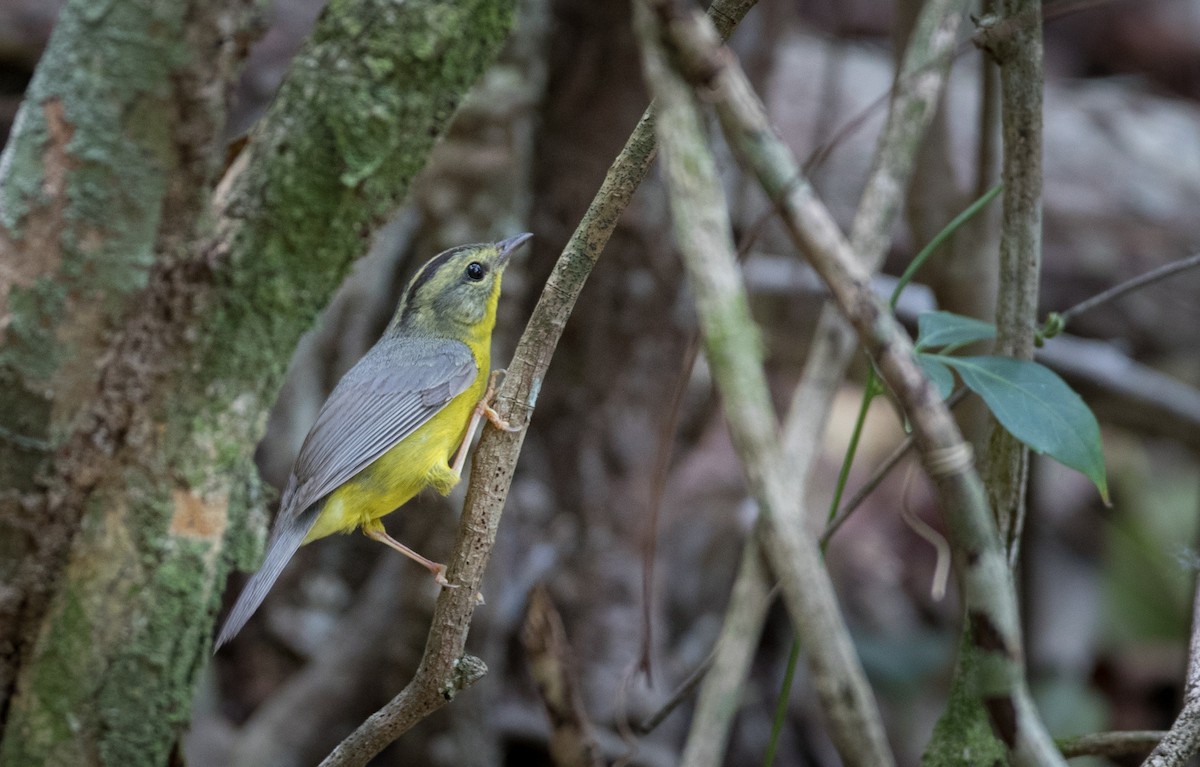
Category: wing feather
[389,394]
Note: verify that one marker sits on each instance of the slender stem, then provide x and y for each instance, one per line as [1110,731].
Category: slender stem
[1114,745]
[442,665]
[837,520]
[870,389]
[1058,320]
[881,472]
[682,693]
[986,583]
[946,233]
[781,705]
[700,221]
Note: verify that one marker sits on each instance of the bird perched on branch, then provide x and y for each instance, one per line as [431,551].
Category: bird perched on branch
[396,419]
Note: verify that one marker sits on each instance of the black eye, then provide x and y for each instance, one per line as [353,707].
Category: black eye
[475,271]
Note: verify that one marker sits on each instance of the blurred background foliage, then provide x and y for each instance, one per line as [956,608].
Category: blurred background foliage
[1106,591]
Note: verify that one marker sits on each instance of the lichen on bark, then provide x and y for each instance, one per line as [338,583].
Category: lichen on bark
[186,382]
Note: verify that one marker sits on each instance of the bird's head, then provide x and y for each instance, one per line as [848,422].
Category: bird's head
[454,294]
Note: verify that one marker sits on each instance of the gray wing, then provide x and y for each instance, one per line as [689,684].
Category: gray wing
[398,386]
[389,394]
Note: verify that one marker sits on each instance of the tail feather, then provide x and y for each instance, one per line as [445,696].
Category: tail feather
[285,539]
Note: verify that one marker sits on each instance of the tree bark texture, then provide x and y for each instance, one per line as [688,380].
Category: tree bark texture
[109,162]
[1019,53]
[136,451]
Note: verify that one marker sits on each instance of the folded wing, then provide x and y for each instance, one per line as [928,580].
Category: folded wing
[392,391]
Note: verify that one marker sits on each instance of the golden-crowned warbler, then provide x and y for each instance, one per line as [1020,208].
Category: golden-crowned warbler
[400,420]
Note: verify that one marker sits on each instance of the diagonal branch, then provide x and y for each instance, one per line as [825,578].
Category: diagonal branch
[438,678]
[920,81]
[725,678]
[1182,741]
[704,236]
[986,583]
[921,78]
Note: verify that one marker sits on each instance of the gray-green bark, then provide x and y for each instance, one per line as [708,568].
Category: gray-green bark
[911,106]
[734,351]
[980,561]
[1018,50]
[109,162]
[185,386]
[1017,46]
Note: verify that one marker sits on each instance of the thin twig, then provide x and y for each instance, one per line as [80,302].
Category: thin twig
[881,472]
[551,663]
[1113,745]
[1117,291]
[702,231]
[981,563]
[439,678]
[912,100]
[658,486]
[723,683]
[1182,741]
[681,693]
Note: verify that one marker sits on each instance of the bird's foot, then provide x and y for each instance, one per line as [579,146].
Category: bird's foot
[484,407]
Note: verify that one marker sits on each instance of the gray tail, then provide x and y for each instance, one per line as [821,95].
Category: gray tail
[285,539]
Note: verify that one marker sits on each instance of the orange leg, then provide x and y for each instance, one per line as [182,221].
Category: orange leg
[376,532]
[483,409]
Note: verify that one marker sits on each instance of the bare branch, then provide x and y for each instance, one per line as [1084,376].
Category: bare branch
[1059,320]
[1110,744]
[724,682]
[437,678]
[981,562]
[923,70]
[1020,59]
[1182,741]
[702,231]
[552,666]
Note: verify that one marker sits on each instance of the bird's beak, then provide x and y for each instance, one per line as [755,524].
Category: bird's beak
[509,246]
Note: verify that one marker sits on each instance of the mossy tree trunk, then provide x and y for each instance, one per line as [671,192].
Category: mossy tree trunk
[145,334]
[107,170]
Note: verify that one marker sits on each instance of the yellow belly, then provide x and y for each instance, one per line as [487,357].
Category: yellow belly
[419,460]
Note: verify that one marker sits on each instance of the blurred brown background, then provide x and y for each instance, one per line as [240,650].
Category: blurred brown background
[1106,591]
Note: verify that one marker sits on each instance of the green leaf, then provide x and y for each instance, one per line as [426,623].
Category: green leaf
[938,329]
[1038,408]
[937,372]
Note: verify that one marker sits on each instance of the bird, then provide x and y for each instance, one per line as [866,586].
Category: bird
[401,419]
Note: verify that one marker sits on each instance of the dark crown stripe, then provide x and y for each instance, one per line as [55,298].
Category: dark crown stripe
[425,275]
